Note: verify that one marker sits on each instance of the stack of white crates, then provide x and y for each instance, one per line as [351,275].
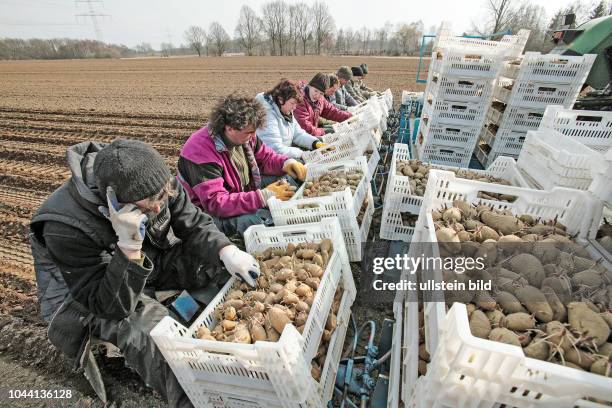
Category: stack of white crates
[460,85]
[522,93]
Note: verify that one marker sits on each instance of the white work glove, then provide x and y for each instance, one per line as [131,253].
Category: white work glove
[240,264]
[128,221]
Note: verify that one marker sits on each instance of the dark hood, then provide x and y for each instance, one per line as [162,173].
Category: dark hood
[80,162]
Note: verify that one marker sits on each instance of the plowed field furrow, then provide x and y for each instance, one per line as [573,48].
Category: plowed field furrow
[161,140]
[110,115]
[19,197]
[68,139]
[39,149]
[100,120]
[42,172]
[28,182]
[108,128]
[19,252]
[25,156]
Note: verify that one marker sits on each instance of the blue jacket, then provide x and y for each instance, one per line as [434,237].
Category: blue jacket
[342,97]
[280,134]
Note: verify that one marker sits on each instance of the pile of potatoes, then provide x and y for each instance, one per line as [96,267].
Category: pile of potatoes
[283,295]
[409,220]
[332,181]
[318,362]
[548,296]
[418,172]
[362,210]
[604,236]
[424,357]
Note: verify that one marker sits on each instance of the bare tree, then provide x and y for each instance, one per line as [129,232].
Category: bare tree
[381,36]
[218,38]
[323,24]
[166,49]
[273,23]
[292,33]
[498,14]
[248,29]
[365,39]
[302,24]
[196,37]
[599,10]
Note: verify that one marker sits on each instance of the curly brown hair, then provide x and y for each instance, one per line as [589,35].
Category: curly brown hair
[237,112]
[285,90]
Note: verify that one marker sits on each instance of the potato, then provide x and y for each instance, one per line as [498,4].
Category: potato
[509,303]
[605,350]
[538,348]
[504,224]
[495,317]
[602,366]
[257,332]
[529,267]
[503,335]
[423,353]
[278,318]
[519,321]
[535,301]
[560,286]
[588,278]
[581,358]
[479,324]
[422,367]
[587,322]
[558,308]
[483,300]
[559,336]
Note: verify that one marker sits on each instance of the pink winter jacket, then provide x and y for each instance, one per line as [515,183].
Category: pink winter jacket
[308,115]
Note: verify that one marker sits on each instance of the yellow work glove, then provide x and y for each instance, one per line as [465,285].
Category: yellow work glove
[281,190]
[295,169]
[319,145]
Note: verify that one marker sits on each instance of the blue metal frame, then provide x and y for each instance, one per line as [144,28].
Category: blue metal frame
[422,50]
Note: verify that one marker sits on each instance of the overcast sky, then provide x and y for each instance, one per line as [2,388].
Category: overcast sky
[154,21]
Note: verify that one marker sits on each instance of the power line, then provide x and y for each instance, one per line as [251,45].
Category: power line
[94,15]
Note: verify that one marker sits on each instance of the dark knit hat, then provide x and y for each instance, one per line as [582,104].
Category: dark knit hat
[364,68]
[320,81]
[357,71]
[344,72]
[134,169]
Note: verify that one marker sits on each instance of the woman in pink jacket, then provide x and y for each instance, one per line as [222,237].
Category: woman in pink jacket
[314,105]
[230,173]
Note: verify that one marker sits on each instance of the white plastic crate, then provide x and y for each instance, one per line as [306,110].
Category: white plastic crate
[359,121]
[342,150]
[462,62]
[591,128]
[395,368]
[537,95]
[324,387]
[516,119]
[511,46]
[550,159]
[578,211]
[448,135]
[361,133]
[335,204]
[444,155]
[505,140]
[551,68]
[342,205]
[272,371]
[460,89]
[399,197]
[454,113]
[467,371]
[601,186]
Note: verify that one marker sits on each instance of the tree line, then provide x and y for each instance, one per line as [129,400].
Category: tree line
[286,29]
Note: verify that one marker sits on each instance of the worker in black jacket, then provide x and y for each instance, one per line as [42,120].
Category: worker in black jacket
[120,228]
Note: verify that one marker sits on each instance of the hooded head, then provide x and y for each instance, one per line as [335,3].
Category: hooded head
[134,169]
[345,73]
[357,72]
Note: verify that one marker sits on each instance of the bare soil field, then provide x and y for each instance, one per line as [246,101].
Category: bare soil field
[46,106]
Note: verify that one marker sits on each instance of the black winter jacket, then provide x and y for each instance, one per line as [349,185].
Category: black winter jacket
[70,231]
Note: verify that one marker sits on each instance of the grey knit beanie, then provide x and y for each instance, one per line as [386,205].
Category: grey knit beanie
[134,169]
[344,72]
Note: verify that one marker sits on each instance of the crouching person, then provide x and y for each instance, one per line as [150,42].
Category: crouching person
[230,173]
[120,228]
